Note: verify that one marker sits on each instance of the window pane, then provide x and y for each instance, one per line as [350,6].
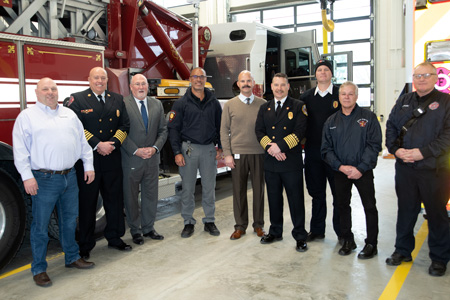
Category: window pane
[351,8]
[361,51]
[361,74]
[287,30]
[363,97]
[352,30]
[247,17]
[278,17]
[308,13]
[319,33]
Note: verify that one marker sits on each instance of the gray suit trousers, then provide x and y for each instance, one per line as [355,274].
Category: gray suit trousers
[144,177]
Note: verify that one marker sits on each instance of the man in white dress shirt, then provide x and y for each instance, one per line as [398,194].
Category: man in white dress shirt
[47,141]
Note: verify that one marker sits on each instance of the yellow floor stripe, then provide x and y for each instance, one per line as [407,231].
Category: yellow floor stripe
[398,278]
[27,267]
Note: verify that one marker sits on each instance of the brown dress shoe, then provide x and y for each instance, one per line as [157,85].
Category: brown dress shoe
[259,231]
[42,279]
[237,234]
[81,264]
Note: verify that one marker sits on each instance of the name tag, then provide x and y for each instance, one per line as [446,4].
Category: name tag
[237,156]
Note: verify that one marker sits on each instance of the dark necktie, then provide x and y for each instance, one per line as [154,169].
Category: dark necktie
[248,101]
[144,115]
[102,102]
[278,110]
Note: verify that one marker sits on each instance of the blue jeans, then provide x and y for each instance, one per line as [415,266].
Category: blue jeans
[62,191]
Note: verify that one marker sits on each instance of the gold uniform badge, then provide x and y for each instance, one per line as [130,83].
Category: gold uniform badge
[118,113]
[290,115]
[335,104]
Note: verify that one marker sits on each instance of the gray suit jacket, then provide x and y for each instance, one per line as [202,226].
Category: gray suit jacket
[137,137]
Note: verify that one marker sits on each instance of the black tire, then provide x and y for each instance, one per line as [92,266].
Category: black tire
[12,218]
[100,224]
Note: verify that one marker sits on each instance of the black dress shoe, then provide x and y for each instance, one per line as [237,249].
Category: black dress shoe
[154,235]
[301,246]
[121,247]
[138,239]
[314,236]
[347,248]
[268,239]
[188,231]
[437,268]
[84,254]
[396,259]
[368,251]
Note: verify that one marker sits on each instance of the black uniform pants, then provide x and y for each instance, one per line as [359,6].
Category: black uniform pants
[433,189]
[316,174]
[110,185]
[366,192]
[293,184]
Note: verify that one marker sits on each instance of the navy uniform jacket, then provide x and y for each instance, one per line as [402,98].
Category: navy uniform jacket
[196,121]
[431,132]
[286,130]
[101,124]
[353,140]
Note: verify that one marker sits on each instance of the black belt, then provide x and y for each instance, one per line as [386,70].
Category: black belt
[63,172]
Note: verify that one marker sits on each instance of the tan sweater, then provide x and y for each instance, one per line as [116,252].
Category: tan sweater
[237,131]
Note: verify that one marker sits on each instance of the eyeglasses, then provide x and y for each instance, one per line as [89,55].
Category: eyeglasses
[426,75]
[201,77]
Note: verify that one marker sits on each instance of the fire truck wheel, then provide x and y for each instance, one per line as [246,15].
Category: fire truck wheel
[12,219]
[100,222]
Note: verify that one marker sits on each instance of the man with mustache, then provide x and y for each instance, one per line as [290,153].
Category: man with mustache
[244,155]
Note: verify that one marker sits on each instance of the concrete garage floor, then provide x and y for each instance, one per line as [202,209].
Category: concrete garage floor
[208,267]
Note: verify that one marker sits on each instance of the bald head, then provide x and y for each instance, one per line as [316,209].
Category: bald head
[139,86]
[245,83]
[47,92]
[198,81]
[98,80]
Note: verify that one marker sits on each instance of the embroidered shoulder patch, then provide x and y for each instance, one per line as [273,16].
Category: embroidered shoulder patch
[172,115]
[70,101]
[304,110]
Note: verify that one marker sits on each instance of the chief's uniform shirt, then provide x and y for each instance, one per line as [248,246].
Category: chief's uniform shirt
[49,139]
[286,130]
[102,123]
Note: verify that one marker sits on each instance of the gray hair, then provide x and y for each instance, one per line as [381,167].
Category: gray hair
[349,83]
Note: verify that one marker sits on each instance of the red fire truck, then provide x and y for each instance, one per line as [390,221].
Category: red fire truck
[141,38]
